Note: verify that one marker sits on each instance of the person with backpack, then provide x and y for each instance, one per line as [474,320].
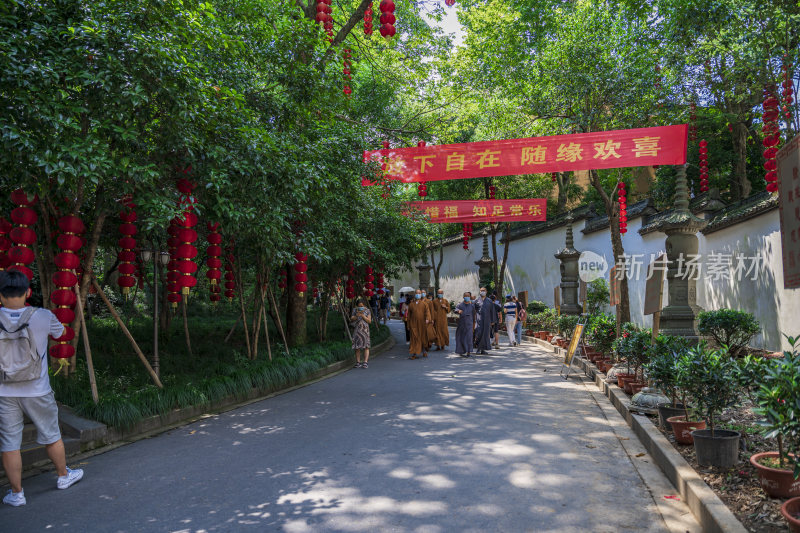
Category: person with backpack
[25,386]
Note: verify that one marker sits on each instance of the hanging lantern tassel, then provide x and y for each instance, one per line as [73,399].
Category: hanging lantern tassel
[213,261]
[623,208]
[5,243]
[387,19]
[230,278]
[127,243]
[22,235]
[703,156]
[300,276]
[65,279]
[771,140]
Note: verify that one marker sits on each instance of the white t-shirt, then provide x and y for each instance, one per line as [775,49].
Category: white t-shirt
[42,323]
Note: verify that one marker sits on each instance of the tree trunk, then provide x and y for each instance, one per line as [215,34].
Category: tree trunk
[562,180]
[296,318]
[240,284]
[184,304]
[740,185]
[504,262]
[612,210]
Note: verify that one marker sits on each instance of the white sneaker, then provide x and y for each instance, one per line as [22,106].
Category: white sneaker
[15,498]
[72,477]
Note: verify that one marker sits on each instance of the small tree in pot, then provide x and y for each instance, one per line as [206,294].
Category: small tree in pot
[728,327]
[710,378]
[779,403]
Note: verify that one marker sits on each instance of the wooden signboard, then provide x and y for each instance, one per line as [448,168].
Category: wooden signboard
[582,293]
[522,296]
[789,205]
[654,290]
[574,342]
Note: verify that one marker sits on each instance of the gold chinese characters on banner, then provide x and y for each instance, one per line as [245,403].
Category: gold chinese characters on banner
[465,211]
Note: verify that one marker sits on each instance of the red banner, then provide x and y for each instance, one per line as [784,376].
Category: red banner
[464,211]
[664,145]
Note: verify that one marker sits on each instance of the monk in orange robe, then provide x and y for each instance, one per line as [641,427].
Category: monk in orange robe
[418,318]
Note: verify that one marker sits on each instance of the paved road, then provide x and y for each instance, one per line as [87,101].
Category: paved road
[500,443]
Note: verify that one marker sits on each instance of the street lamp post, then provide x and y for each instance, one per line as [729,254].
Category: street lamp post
[157,256]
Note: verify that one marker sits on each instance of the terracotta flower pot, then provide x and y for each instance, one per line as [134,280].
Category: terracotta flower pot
[607,364]
[791,512]
[637,386]
[549,337]
[777,482]
[626,384]
[683,429]
[621,376]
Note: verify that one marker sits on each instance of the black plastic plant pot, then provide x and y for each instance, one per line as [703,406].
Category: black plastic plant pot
[721,450]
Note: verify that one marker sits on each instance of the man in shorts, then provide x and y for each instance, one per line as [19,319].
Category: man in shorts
[33,398]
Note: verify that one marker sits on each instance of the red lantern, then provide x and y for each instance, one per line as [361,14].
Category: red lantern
[300,277]
[185,249]
[346,71]
[449,3]
[492,192]
[65,280]
[368,20]
[623,205]
[387,30]
[5,243]
[213,253]
[126,256]
[703,157]
[22,236]
[772,138]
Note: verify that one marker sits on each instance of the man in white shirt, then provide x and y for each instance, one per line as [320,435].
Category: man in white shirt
[33,398]
[510,309]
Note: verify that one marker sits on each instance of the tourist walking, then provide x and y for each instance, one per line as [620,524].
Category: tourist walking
[405,302]
[384,303]
[510,310]
[361,319]
[522,316]
[373,304]
[25,389]
[441,307]
[486,315]
[498,320]
[418,318]
[466,326]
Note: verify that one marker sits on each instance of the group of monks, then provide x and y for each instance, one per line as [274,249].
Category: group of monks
[426,320]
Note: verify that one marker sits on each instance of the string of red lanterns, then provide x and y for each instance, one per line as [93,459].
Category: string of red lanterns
[186,250]
[213,261]
[466,231]
[622,198]
[324,11]
[703,166]
[346,71]
[350,284]
[5,243]
[771,138]
[300,276]
[554,177]
[387,19]
[127,243]
[788,89]
[368,279]
[22,235]
[422,188]
[230,278]
[492,192]
[65,279]
[368,20]
[173,289]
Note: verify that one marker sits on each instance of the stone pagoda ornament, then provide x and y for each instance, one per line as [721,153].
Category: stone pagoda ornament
[681,227]
[485,263]
[568,257]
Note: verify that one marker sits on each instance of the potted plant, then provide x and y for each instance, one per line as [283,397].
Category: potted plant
[623,346]
[729,328]
[683,425]
[662,369]
[638,354]
[791,512]
[711,382]
[779,403]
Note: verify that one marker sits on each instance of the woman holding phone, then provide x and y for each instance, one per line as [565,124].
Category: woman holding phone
[362,318]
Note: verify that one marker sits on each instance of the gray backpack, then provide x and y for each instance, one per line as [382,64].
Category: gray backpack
[19,358]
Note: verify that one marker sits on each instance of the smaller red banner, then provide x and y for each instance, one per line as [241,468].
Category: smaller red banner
[464,211]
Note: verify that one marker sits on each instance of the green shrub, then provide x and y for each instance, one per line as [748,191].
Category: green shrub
[602,332]
[662,367]
[535,307]
[597,296]
[633,345]
[709,378]
[567,323]
[779,403]
[728,327]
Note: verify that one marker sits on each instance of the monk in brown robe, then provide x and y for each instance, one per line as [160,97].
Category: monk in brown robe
[440,309]
[418,317]
[430,331]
